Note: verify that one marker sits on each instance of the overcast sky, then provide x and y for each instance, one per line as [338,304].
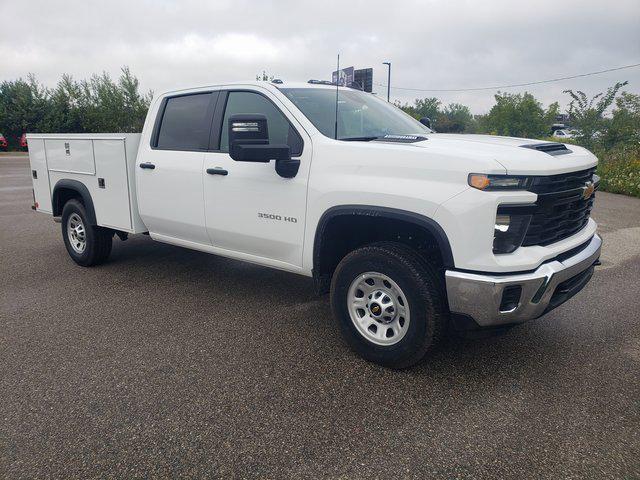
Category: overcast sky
[432,44]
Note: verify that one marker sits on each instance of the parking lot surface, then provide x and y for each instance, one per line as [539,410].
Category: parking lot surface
[167,362]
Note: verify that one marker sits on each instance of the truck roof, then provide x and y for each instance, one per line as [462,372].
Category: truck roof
[257,83]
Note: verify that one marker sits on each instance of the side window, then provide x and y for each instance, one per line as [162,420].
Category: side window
[280,130]
[186,123]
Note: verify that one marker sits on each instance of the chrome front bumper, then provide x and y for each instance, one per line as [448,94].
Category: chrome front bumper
[480,296]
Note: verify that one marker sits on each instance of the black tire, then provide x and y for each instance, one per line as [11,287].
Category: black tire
[98,240]
[420,283]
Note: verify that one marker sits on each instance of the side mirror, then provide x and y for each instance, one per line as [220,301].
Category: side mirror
[249,142]
[426,121]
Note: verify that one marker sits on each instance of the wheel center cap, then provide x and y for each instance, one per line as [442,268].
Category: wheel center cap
[381,306]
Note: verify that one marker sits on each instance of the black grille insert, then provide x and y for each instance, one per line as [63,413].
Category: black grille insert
[561,219]
[562,182]
[561,209]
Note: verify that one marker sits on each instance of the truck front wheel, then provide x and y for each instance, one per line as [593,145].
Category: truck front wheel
[87,244]
[389,303]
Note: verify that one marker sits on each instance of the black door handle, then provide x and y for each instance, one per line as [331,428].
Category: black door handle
[217,171]
[148,165]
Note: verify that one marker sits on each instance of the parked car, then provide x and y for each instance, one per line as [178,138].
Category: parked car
[3,142]
[411,232]
[23,142]
[562,133]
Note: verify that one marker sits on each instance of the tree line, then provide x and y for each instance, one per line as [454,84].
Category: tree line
[95,105]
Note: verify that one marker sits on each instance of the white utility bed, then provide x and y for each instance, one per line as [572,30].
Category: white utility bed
[104,163]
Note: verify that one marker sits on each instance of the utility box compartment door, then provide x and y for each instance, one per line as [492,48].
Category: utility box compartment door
[111,193]
[70,156]
[39,175]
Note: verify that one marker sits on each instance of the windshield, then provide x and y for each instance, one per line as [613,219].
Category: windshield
[361,116]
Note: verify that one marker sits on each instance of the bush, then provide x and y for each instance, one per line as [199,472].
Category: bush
[619,171]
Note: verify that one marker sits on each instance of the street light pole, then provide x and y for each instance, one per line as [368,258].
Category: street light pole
[388,64]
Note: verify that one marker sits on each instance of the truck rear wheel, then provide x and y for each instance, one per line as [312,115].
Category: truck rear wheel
[390,304]
[87,244]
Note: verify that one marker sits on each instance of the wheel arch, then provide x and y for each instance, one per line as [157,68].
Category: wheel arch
[322,271]
[67,189]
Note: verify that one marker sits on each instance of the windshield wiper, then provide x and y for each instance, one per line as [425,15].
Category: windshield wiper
[358,139]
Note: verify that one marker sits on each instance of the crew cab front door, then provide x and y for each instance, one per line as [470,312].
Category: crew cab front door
[250,210]
[169,169]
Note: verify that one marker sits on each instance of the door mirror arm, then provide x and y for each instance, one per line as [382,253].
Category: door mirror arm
[287,168]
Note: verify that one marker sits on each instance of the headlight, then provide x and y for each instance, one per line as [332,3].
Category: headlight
[509,231]
[499,182]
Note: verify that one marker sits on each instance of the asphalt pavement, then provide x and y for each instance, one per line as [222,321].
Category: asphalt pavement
[167,362]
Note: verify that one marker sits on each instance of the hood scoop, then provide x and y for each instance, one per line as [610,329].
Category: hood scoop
[551,148]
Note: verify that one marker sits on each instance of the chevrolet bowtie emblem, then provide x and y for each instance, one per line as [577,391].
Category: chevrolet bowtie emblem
[588,190]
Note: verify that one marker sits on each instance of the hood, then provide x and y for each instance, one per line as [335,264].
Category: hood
[516,155]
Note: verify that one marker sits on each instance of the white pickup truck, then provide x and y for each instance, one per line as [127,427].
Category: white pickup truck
[411,231]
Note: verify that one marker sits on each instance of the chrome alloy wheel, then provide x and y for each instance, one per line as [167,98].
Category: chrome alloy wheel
[378,308]
[76,233]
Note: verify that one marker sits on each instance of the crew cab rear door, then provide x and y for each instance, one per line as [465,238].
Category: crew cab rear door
[251,210]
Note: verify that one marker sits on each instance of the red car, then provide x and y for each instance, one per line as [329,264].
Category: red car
[23,142]
[3,142]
